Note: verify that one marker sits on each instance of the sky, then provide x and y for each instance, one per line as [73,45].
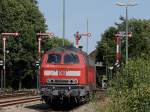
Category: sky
[101,14]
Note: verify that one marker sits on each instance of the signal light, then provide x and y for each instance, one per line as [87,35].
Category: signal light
[130,34]
[37,64]
[117,64]
[1,62]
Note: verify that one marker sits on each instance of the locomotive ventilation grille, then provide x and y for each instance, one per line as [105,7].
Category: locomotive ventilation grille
[62,81]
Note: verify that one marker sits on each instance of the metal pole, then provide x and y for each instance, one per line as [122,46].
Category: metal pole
[4,59]
[63,22]
[1,79]
[39,59]
[37,84]
[126,34]
[110,74]
[39,48]
[126,6]
[106,59]
[87,36]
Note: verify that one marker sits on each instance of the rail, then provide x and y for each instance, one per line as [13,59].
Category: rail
[9,94]
[16,101]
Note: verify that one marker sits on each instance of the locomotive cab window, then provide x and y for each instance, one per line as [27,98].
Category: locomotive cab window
[54,58]
[71,59]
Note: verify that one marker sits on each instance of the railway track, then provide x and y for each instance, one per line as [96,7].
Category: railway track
[14,94]
[10,102]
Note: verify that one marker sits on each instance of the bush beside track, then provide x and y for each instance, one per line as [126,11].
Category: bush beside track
[130,90]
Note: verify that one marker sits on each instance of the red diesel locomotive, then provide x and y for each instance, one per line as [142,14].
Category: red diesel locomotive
[66,72]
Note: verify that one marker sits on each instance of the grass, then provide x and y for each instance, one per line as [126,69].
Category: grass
[101,103]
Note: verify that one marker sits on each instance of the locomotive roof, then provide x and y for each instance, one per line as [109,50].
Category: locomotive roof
[67,49]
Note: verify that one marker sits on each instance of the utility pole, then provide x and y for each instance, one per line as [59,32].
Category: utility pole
[126,5]
[64,22]
[127,35]
[87,36]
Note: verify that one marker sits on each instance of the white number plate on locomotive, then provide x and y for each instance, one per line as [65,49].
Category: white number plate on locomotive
[61,73]
[50,73]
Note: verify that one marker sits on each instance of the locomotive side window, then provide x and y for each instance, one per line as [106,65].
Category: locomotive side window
[71,59]
[54,58]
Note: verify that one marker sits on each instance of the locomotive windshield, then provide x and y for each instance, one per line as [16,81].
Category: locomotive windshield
[54,58]
[71,59]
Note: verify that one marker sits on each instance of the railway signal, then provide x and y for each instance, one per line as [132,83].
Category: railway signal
[78,37]
[118,38]
[123,34]
[4,37]
[118,44]
[41,36]
[126,5]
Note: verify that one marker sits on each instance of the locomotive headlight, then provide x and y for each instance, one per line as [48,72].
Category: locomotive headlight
[53,88]
[69,88]
[43,89]
[49,81]
[76,81]
[73,81]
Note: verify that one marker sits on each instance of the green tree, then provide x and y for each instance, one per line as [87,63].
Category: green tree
[21,16]
[47,44]
[105,49]
[138,43]
[129,90]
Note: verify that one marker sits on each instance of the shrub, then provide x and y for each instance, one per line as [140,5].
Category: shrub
[130,90]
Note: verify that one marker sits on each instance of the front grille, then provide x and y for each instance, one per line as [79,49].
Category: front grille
[62,81]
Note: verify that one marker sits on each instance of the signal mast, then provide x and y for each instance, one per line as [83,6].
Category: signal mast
[118,38]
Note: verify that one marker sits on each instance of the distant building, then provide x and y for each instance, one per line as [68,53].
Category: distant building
[92,55]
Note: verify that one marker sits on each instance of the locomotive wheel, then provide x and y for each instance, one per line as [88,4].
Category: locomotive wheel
[87,98]
[81,100]
[48,100]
